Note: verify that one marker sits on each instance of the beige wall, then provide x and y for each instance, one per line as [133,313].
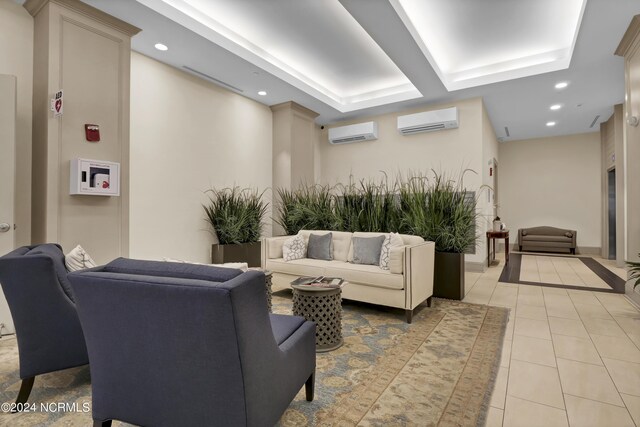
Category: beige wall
[553,181]
[16,53]
[89,52]
[188,135]
[487,200]
[449,151]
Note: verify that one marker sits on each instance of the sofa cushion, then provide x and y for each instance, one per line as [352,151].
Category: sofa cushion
[545,231]
[299,267]
[319,246]
[284,326]
[78,259]
[396,259]
[371,275]
[391,241]
[366,250]
[294,248]
[362,234]
[538,238]
[341,241]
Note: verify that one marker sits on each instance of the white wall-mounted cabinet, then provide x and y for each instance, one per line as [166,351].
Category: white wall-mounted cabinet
[94,178]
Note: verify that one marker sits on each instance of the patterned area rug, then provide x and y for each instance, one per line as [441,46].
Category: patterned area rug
[439,370]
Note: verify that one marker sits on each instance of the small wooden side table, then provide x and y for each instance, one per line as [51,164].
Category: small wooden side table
[491,237]
[324,307]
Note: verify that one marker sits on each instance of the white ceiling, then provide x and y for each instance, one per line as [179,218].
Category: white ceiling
[347,59]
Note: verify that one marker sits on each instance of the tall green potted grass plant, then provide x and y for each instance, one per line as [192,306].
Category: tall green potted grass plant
[236,217]
[307,208]
[634,272]
[441,210]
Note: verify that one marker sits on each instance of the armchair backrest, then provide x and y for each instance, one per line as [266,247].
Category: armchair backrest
[35,284]
[160,333]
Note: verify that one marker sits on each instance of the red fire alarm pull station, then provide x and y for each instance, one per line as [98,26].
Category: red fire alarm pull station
[92,132]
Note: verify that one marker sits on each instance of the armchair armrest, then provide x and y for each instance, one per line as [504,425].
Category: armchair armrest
[418,273]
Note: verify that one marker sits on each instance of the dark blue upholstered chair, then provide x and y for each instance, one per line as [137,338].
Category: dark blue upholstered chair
[34,282]
[175,344]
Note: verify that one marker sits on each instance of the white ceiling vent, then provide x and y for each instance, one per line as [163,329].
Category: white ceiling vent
[354,133]
[428,121]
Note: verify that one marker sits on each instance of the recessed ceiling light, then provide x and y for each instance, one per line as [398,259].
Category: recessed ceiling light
[555,107]
[561,85]
[161,46]
[262,93]
[551,124]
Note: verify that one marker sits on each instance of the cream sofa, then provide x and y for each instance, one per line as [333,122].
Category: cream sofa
[407,283]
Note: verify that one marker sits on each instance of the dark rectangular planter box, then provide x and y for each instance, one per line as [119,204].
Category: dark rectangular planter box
[245,252]
[448,279]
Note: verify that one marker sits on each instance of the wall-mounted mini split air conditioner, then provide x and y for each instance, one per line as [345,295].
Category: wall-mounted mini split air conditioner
[354,133]
[428,121]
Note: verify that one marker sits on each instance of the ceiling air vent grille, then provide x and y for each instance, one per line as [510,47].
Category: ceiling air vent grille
[213,79]
[593,123]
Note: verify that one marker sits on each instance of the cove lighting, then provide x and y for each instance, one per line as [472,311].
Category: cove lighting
[561,85]
[473,43]
[551,124]
[161,47]
[555,107]
[262,93]
[316,46]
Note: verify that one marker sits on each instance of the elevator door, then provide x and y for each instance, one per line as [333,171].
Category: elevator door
[611,184]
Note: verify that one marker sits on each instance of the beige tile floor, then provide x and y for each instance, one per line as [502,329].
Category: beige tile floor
[560,271]
[570,358]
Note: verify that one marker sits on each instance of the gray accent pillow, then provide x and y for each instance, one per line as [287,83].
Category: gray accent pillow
[366,250]
[320,246]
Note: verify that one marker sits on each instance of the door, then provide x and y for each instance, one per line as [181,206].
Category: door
[7,181]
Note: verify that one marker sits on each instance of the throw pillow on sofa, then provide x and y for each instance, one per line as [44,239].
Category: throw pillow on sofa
[78,259]
[391,241]
[320,246]
[366,250]
[294,248]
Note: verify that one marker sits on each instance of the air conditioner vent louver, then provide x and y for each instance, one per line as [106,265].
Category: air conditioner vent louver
[419,129]
[350,139]
[353,133]
[428,121]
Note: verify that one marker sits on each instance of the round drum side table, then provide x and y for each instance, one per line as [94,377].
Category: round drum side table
[324,307]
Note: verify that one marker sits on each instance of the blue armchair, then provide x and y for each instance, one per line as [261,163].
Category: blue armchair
[180,344]
[34,282]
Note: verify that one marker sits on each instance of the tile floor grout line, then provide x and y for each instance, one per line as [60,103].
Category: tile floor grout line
[615,386]
[580,318]
[620,326]
[603,403]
